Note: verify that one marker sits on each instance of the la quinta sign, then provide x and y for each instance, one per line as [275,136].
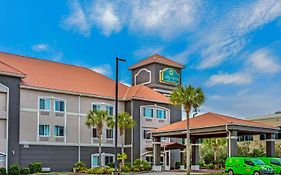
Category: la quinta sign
[170,76]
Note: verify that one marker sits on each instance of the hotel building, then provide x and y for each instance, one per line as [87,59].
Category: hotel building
[43,108]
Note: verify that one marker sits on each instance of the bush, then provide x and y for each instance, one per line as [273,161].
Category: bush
[14,170]
[135,169]
[2,170]
[79,167]
[111,164]
[142,165]
[100,170]
[126,169]
[25,170]
[35,167]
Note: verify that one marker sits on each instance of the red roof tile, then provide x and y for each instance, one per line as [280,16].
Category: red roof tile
[208,120]
[8,70]
[63,77]
[157,59]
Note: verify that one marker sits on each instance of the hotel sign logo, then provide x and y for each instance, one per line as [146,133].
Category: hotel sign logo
[170,76]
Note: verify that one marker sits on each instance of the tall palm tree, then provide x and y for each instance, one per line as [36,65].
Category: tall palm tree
[125,121]
[189,98]
[96,119]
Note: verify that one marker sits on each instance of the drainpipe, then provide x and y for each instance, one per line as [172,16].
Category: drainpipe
[79,128]
[7,128]
[229,140]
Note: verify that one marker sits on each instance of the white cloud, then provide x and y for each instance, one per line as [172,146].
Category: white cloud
[162,18]
[225,39]
[264,61]
[104,16]
[77,20]
[41,47]
[239,78]
[104,69]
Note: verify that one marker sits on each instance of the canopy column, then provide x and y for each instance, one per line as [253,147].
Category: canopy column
[195,155]
[270,145]
[156,154]
[232,144]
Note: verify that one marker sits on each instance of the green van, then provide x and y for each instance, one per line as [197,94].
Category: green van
[246,166]
[274,162]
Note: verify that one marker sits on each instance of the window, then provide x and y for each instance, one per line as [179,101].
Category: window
[95,135]
[262,136]
[96,107]
[146,134]
[163,139]
[161,114]
[2,157]
[250,163]
[109,133]
[148,112]
[59,131]
[274,162]
[95,160]
[109,110]
[108,159]
[44,130]
[59,105]
[149,159]
[245,138]
[45,104]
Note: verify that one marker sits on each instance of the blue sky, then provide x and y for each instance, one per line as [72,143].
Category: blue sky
[232,49]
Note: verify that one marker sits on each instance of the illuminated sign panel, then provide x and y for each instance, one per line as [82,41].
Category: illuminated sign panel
[170,76]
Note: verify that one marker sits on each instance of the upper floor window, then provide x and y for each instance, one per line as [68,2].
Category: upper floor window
[109,133]
[59,105]
[59,131]
[44,130]
[109,110]
[163,139]
[96,107]
[45,104]
[161,114]
[148,112]
[106,107]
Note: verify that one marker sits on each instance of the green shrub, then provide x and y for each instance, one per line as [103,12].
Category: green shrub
[135,169]
[100,170]
[126,169]
[79,167]
[111,164]
[35,167]
[142,165]
[2,171]
[14,170]
[25,170]
[210,166]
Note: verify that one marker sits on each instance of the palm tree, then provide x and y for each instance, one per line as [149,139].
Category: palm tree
[125,121]
[189,97]
[97,118]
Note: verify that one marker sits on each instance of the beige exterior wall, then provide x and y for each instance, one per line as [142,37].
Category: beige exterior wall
[31,117]
[3,125]
[150,124]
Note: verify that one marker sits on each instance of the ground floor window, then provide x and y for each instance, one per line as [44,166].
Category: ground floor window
[109,159]
[95,160]
[105,159]
[245,138]
[149,159]
[2,157]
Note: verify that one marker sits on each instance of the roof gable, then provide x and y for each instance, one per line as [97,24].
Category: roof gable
[157,59]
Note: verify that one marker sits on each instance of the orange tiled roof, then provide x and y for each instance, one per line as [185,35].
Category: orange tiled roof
[8,70]
[208,120]
[62,77]
[144,92]
[157,59]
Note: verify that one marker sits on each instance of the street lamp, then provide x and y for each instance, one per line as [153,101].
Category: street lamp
[116,111]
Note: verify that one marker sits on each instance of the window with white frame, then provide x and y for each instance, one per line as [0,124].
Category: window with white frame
[59,131]
[163,139]
[44,130]
[109,109]
[161,113]
[109,133]
[146,134]
[2,157]
[148,112]
[95,134]
[96,107]
[45,104]
[108,159]
[95,160]
[106,107]
[59,106]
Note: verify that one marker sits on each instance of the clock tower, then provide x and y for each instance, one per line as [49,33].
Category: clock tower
[159,73]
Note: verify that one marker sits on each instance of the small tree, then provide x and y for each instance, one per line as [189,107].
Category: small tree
[122,157]
[97,118]
[188,97]
[125,121]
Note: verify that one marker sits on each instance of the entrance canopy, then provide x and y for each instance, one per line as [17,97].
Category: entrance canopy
[169,146]
[210,125]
